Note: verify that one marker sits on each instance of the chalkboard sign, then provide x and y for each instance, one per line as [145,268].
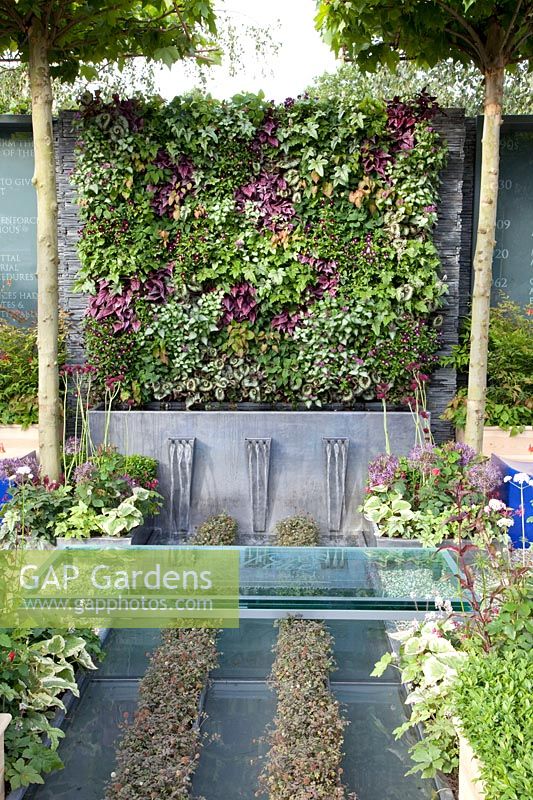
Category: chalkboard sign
[18,221]
[512,269]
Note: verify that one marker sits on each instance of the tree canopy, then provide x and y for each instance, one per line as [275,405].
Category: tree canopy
[482,32]
[80,33]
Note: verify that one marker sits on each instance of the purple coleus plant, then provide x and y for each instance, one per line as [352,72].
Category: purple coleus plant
[239,304]
[374,159]
[286,322]
[168,196]
[402,118]
[269,192]
[266,133]
[118,304]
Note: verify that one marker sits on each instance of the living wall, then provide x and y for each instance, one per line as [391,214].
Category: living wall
[248,251]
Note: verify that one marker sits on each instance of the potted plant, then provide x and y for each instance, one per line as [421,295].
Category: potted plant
[434,494]
[509,399]
[105,498]
[18,389]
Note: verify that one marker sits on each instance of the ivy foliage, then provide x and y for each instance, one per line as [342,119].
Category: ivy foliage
[238,250]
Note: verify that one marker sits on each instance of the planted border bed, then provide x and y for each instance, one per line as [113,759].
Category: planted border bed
[305,754]
[158,754]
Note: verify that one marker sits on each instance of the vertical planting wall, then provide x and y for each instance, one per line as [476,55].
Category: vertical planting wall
[452,237]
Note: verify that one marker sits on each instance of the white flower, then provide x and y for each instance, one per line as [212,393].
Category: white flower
[507,479]
[522,477]
[23,471]
[439,602]
[496,505]
[505,522]
[30,476]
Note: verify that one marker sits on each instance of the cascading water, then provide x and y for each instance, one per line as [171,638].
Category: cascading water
[181,462]
[258,458]
[336,452]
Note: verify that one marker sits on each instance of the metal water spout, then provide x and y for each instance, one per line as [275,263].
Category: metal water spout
[336,457]
[258,460]
[181,463]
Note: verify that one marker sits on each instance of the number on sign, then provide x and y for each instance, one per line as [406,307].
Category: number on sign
[503,224]
[500,283]
[501,252]
[505,183]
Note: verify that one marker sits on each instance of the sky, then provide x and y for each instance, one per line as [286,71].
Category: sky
[301,55]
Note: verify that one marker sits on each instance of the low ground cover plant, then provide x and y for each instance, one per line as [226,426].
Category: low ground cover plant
[297,531]
[509,402]
[304,759]
[159,750]
[217,531]
[36,668]
[435,493]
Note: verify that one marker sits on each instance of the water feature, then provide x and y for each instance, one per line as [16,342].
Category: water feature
[258,461]
[181,460]
[336,452]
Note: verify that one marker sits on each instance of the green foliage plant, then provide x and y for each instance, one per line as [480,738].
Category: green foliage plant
[18,375]
[509,370]
[428,658]
[218,530]
[297,531]
[493,701]
[35,671]
[494,635]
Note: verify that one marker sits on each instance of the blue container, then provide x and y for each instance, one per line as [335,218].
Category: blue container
[511,495]
[4,493]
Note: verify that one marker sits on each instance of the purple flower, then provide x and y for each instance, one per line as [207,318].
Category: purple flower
[485,477]
[382,471]
[468,454]
[72,446]
[9,467]
[85,472]
[422,457]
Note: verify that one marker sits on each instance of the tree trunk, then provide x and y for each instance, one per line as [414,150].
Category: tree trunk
[44,181]
[488,202]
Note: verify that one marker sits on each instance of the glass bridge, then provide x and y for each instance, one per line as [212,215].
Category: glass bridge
[361,593]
